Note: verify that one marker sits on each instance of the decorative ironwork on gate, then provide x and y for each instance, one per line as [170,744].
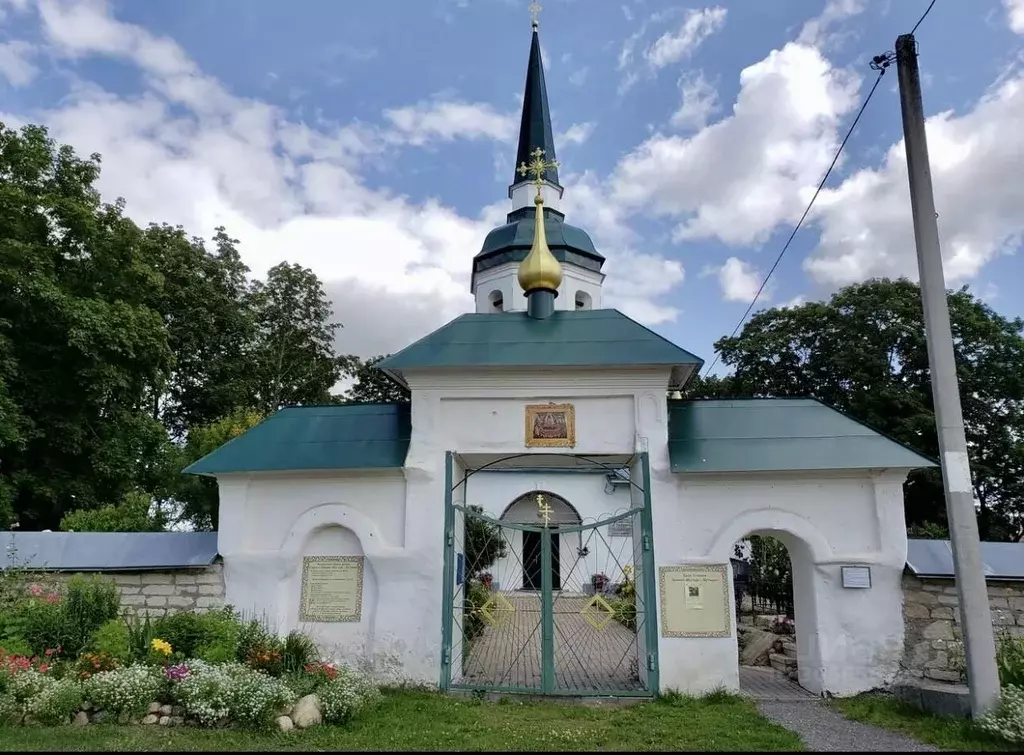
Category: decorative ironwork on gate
[546,605]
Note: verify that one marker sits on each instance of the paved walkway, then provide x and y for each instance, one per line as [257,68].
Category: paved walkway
[821,728]
[599,655]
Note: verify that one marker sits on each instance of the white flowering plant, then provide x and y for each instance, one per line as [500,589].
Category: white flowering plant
[343,696]
[229,691]
[27,684]
[1007,720]
[57,702]
[10,709]
[128,689]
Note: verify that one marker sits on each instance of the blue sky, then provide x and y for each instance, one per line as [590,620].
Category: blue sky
[374,142]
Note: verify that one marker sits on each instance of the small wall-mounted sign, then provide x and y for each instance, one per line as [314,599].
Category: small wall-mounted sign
[857,577]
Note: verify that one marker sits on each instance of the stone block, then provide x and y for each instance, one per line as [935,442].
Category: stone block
[951,700]
[133,600]
[153,613]
[939,660]
[155,589]
[916,611]
[1003,618]
[180,601]
[209,577]
[942,675]
[209,602]
[209,589]
[156,600]
[933,586]
[942,612]
[128,579]
[1016,603]
[920,654]
[949,600]
[998,603]
[129,590]
[920,596]
[938,630]
[184,579]
[158,578]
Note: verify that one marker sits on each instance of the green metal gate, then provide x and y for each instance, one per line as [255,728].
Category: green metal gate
[551,607]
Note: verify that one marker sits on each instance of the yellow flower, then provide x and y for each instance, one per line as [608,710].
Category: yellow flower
[161,646]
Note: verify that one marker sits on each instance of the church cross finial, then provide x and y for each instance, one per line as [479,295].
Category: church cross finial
[535,9]
[537,167]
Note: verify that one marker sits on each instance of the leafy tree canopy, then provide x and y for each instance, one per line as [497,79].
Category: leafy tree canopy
[371,385]
[135,513]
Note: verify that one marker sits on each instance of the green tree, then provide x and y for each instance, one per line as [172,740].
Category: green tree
[197,496]
[483,541]
[81,353]
[864,352]
[134,513]
[371,385]
[293,361]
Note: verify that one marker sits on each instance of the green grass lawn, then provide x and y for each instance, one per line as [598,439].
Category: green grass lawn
[429,721]
[947,733]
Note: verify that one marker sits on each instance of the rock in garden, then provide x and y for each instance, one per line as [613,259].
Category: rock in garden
[177,710]
[176,721]
[30,720]
[284,723]
[86,705]
[150,719]
[165,710]
[81,719]
[154,708]
[306,712]
[165,720]
[100,716]
[755,652]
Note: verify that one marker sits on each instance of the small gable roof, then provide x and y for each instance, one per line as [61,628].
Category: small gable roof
[346,436]
[764,435]
[109,551]
[568,338]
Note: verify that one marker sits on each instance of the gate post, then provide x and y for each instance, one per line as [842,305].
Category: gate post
[448,589]
[547,617]
[650,582]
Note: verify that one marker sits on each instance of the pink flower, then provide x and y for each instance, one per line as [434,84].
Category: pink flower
[36,590]
[52,597]
[49,652]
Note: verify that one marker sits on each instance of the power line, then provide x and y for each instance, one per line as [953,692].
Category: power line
[878,63]
[821,184]
[923,16]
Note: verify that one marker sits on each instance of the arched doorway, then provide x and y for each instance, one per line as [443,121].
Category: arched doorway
[522,564]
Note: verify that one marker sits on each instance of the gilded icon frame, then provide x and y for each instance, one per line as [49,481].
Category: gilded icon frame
[568,412]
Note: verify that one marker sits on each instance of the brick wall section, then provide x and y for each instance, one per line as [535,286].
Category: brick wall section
[155,593]
[933,646]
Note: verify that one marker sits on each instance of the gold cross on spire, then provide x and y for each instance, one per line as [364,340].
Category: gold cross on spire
[538,165]
[535,9]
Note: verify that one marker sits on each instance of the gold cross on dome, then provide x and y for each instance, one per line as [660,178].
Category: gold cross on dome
[544,509]
[535,9]
[538,165]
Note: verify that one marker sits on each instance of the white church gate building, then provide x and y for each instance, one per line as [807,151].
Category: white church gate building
[542,434]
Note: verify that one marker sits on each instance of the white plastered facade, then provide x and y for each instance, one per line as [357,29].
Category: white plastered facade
[849,640]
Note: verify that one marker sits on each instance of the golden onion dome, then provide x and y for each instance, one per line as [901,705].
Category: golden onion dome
[540,270]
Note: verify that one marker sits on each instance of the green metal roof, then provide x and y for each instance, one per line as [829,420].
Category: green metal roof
[569,338]
[762,435]
[347,436]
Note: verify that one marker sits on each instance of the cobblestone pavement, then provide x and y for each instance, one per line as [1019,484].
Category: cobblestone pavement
[821,728]
[595,656]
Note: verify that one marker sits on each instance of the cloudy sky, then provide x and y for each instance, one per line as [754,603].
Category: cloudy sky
[373,142]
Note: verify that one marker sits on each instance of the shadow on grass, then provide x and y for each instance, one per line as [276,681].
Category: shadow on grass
[886,712]
[424,721]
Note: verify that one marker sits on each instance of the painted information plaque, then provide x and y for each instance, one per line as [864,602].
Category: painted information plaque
[332,589]
[694,601]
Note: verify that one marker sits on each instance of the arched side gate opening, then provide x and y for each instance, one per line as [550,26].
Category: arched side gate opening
[550,604]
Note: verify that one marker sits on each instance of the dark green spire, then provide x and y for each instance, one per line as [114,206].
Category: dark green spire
[535,127]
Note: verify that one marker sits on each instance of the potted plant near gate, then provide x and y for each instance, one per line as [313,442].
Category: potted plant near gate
[486,580]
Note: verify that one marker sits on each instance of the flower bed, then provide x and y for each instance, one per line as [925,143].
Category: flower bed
[211,669]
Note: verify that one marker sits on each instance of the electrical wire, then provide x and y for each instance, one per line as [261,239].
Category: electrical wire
[923,16]
[821,185]
[878,63]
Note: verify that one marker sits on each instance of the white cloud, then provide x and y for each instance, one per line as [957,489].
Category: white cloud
[738,178]
[15,65]
[976,158]
[579,77]
[739,280]
[1015,14]
[821,31]
[187,151]
[696,27]
[700,101]
[418,124]
[577,133]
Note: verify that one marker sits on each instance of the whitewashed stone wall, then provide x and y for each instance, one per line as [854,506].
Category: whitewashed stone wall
[933,641]
[156,593]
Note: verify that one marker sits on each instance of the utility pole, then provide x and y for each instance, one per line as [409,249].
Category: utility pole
[975,619]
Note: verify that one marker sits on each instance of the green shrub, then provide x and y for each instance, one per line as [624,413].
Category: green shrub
[298,651]
[472,618]
[41,624]
[1010,660]
[112,638]
[131,514]
[57,702]
[185,632]
[10,710]
[254,635]
[15,646]
[345,695]
[88,603]
[140,635]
